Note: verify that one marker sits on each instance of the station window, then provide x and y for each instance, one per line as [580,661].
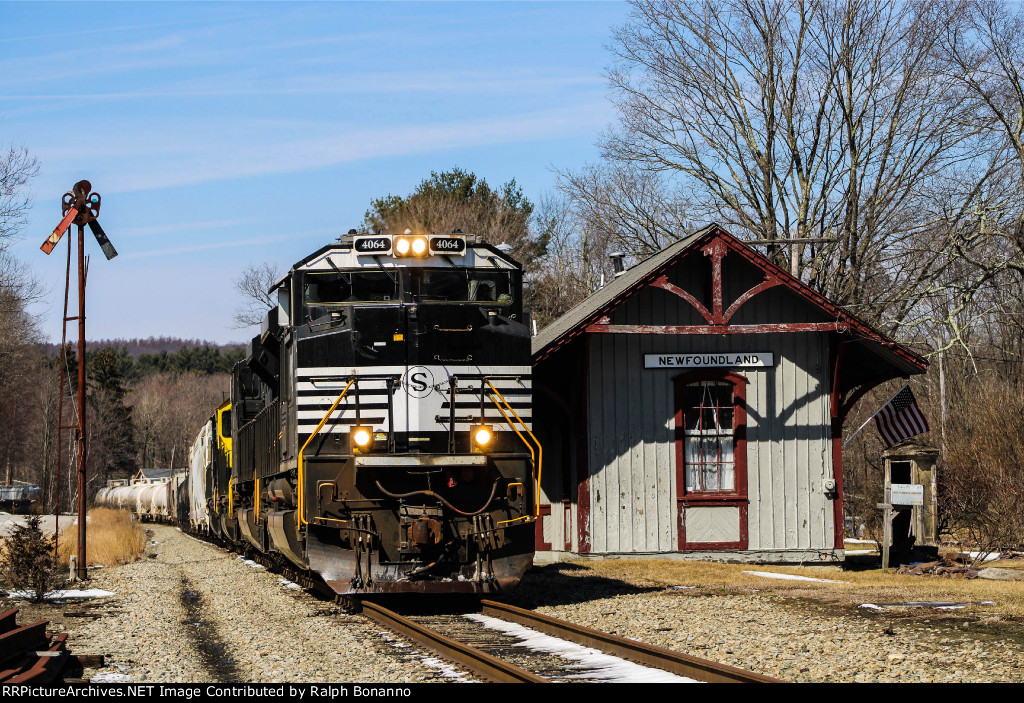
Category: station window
[710,432]
[709,450]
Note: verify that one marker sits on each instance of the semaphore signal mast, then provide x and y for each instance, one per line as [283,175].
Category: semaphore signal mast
[80,206]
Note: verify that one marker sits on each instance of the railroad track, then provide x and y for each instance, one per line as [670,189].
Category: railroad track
[482,648]
[30,654]
[444,635]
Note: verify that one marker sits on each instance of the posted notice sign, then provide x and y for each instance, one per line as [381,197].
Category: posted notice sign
[906,494]
[717,359]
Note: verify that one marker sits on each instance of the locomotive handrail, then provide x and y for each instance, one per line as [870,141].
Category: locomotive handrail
[302,500]
[540,449]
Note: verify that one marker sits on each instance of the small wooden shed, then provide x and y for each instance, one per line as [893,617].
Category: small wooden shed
[695,404]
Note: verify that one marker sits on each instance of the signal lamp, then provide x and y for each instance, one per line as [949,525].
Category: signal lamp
[419,246]
[482,435]
[402,246]
[362,437]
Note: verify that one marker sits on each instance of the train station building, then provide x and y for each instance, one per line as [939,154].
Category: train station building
[696,404]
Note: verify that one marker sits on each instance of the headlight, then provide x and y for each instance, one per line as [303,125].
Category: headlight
[482,435]
[411,246]
[362,437]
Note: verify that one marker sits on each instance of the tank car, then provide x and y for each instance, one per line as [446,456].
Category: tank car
[378,431]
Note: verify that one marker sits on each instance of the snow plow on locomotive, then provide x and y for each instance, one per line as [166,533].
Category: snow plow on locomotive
[378,432]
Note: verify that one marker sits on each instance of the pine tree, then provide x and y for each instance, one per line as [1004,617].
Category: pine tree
[27,561]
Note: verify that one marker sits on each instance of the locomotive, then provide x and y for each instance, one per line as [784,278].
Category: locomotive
[378,432]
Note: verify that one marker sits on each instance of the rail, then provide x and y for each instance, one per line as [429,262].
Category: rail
[638,652]
[477,661]
[28,653]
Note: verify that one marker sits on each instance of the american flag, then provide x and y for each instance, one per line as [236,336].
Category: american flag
[900,418]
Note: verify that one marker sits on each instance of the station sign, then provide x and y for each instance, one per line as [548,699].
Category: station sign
[447,245]
[373,245]
[712,360]
[906,494]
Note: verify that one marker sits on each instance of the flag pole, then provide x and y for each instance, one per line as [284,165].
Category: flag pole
[848,439]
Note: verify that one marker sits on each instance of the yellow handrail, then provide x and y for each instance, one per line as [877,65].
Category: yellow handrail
[540,449]
[231,500]
[302,501]
[257,501]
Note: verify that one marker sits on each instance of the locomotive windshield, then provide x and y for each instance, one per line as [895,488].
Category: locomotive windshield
[348,287]
[465,285]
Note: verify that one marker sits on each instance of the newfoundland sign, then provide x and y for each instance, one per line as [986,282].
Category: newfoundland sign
[716,359]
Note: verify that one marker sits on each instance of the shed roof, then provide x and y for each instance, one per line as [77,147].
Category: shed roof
[574,322]
[153,473]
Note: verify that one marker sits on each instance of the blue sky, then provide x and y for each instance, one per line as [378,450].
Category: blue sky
[224,134]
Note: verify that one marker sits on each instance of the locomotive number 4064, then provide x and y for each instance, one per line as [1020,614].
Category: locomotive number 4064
[448,245]
[374,245]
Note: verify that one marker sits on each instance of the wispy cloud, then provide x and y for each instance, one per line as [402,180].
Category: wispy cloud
[159,157]
[184,227]
[471,83]
[209,246]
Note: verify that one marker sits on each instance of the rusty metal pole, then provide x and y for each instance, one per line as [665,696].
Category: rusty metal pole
[60,404]
[83,572]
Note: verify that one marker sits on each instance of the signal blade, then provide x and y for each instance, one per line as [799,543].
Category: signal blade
[108,249]
[59,231]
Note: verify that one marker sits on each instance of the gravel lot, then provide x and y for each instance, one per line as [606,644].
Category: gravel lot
[794,639]
[191,612]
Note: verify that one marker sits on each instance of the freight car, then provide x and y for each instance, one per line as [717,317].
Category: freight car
[378,432]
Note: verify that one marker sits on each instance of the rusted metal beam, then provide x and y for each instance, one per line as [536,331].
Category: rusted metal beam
[639,652]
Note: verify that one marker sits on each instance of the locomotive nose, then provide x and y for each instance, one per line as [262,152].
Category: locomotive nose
[425,532]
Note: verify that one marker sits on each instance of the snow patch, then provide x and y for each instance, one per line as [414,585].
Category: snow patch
[989,556]
[289,584]
[443,668]
[60,595]
[592,664]
[790,577]
[110,677]
[250,563]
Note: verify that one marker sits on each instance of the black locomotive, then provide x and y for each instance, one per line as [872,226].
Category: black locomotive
[378,432]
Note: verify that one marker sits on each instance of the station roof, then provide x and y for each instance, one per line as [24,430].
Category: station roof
[874,346]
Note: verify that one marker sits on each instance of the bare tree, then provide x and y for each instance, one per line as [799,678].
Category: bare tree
[792,119]
[168,410]
[628,207]
[17,168]
[253,285]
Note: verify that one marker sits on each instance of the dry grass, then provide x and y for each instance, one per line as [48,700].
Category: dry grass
[111,538]
[856,587]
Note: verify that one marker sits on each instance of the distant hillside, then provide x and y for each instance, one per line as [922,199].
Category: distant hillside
[151,345]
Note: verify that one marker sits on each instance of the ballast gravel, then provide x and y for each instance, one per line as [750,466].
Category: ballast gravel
[192,612]
[788,639]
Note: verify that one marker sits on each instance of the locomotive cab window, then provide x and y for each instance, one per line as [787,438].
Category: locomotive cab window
[465,285]
[334,288]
